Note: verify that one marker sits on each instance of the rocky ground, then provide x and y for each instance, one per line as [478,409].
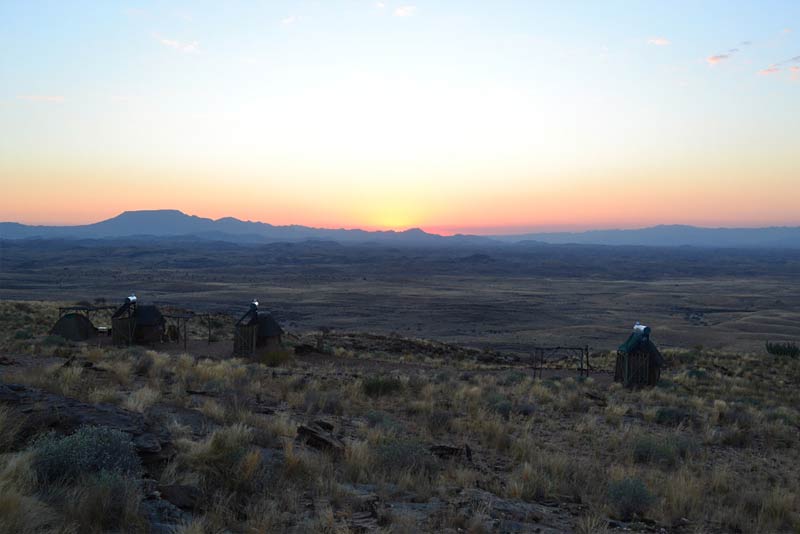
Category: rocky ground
[352,432]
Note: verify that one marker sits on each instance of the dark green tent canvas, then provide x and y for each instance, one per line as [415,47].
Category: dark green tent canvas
[74,327]
[639,361]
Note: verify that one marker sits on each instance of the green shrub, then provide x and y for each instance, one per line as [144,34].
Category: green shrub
[23,334]
[697,374]
[499,403]
[673,416]
[378,386]
[783,349]
[327,402]
[511,378]
[91,449]
[440,421]
[401,455]
[662,451]
[277,357]
[53,340]
[379,419]
[629,497]
[665,384]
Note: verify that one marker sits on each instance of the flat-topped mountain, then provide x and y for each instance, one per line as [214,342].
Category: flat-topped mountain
[174,223]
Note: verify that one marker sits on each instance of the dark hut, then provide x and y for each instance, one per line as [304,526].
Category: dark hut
[257,333]
[639,361]
[74,327]
[137,323]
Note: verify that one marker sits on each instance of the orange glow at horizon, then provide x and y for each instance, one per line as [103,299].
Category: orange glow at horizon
[516,206]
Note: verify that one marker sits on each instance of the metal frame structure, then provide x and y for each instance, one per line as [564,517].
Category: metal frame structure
[180,322]
[88,311]
[540,354]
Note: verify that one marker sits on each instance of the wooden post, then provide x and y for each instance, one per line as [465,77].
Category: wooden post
[586,351]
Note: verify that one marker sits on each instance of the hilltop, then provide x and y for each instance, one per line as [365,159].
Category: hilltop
[367,433]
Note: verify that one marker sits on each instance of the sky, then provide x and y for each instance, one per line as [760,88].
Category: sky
[472,116]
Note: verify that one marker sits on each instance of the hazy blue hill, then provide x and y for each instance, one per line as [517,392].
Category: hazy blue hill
[174,223]
[674,235]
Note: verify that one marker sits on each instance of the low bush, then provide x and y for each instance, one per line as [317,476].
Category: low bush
[327,402]
[666,452]
[395,456]
[629,497]
[788,348]
[500,404]
[23,334]
[378,386]
[379,419]
[673,416]
[277,357]
[53,341]
[440,421]
[219,459]
[91,449]
[106,501]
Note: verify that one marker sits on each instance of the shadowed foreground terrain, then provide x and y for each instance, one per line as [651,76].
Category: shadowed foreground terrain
[357,433]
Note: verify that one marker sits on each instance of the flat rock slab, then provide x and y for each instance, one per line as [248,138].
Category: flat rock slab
[184,497]
[317,437]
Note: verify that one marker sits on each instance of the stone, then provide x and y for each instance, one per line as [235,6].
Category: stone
[182,496]
[318,438]
[447,452]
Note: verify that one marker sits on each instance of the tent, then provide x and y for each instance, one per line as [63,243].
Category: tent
[257,332]
[74,327]
[639,361]
[137,323]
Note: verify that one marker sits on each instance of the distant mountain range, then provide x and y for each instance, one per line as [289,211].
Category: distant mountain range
[174,224]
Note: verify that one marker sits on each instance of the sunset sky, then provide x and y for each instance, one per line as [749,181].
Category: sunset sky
[471,116]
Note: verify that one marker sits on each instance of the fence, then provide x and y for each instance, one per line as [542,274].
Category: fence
[540,355]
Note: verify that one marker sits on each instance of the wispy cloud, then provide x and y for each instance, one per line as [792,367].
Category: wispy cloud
[659,41]
[719,58]
[795,70]
[190,47]
[793,62]
[380,5]
[42,98]
[405,11]
[288,21]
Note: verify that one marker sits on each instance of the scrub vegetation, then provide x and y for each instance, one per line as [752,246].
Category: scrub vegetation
[354,440]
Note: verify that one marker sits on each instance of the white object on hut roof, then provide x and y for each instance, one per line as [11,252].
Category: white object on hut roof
[639,327]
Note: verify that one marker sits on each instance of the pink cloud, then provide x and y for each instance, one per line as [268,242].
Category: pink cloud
[769,70]
[714,60]
[659,41]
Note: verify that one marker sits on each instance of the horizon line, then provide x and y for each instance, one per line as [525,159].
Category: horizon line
[441,230]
